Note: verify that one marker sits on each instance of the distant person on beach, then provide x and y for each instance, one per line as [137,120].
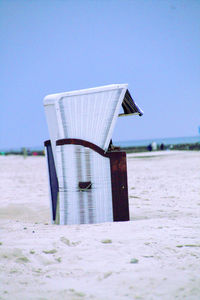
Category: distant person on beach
[162,147]
[154,146]
[149,147]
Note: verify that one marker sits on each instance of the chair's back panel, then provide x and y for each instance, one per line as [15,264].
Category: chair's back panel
[85,194]
[88,115]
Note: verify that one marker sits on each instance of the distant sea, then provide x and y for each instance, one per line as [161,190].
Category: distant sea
[165,141]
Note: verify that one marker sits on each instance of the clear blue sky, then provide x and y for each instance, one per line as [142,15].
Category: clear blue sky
[59,45]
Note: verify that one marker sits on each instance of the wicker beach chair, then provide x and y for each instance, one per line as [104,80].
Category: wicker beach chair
[88,183]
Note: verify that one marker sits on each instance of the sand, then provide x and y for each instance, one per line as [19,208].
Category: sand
[154,256]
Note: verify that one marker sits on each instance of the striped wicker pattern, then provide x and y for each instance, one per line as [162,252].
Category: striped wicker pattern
[78,164]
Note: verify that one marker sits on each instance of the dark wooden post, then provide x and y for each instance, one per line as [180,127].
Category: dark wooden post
[119,186]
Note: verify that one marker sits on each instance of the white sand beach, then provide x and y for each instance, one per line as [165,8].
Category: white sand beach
[154,256]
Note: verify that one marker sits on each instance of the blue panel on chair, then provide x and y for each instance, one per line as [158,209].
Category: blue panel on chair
[53,180]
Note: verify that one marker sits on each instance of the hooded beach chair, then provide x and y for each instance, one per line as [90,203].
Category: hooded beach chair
[87,180]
